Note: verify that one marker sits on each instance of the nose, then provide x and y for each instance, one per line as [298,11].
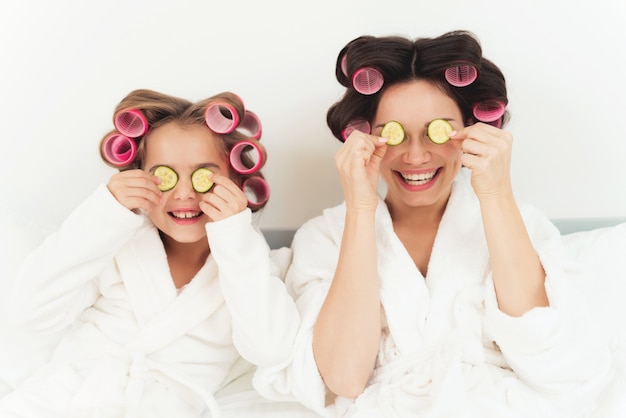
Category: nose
[184,189]
[416,150]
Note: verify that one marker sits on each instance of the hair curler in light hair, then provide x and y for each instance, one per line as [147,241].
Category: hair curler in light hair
[131,123]
[256,190]
[118,150]
[221,117]
[244,147]
[250,125]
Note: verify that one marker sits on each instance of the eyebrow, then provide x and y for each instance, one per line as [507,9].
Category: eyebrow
[446,119]
[195,167]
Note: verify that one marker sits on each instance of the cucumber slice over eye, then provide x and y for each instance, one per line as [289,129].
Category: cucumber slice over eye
[393,132]
[168,176]
[201,180]
[438,131]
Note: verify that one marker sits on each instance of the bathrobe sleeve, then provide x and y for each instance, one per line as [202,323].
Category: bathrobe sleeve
[558,350]
[56,281]
[264,317]
[315,250]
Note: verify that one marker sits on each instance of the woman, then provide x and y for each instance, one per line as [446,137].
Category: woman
[444,298]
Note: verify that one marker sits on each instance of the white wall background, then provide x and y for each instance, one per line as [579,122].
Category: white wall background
[66,64]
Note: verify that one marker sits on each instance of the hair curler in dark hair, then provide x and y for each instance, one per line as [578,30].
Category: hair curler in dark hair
[367,80]
[461,75]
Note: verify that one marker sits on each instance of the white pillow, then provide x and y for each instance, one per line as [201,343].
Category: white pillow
[602,252]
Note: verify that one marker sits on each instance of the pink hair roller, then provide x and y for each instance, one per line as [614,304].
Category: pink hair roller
[119,150]
[461,75]
[131,123]
[497,123]
[239,149]
[256,190]
[356,125]
[367,80]
[222,118]
[251,125]
[344,65]
[489,110]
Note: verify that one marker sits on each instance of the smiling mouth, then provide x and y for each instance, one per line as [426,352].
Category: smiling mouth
[185,215]
[418,179]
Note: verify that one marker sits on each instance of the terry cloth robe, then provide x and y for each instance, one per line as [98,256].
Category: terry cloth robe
[134,345]
[446,349]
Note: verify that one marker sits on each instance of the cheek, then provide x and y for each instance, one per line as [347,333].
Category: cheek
[158,211]
[452,150]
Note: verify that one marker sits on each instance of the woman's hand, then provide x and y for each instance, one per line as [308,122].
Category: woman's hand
[358,165]
[135,189]
[224,200]
[487,152]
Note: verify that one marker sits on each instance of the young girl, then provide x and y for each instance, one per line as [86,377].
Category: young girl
[444,298]
[159,279]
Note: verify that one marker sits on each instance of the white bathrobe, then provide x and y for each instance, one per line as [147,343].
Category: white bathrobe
[446,348]
[134,345]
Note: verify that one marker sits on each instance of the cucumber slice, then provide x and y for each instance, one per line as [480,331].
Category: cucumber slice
[393,132]
[168,176]
[438,131]
[201,180]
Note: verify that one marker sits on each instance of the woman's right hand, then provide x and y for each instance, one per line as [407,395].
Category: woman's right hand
[358,165]
[135,189]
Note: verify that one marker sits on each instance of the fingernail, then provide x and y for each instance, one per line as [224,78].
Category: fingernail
[382,140]
[451,133]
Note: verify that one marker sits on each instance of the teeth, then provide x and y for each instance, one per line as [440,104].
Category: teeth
[185,215]
[418,179]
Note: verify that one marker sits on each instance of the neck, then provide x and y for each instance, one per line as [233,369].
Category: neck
[191,253]
[420,215]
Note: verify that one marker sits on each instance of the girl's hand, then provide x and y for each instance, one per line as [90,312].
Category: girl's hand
[487,152]
[224,200]
[358,165]
[135,189]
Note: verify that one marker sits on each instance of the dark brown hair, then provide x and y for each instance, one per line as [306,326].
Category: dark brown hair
[401,60]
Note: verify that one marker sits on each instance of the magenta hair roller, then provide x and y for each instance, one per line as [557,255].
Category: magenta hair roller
[131,123]
[497,123]
[461,75]
[119,150]
[356,125]
[256,190]
[489,110]
[344,65]
[242,148]
[251,125]
[222,118]
[367,80]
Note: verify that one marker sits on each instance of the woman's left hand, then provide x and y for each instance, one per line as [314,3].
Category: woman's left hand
[224,199]
[487,152]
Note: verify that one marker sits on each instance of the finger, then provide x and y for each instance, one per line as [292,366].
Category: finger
[225,182]
[471,146]
[470,161]
[216,208]
[226,200]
